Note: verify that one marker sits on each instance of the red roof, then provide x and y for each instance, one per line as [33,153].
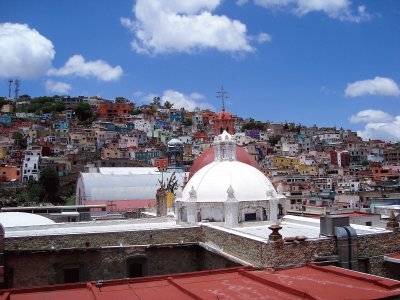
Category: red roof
[208,157]
[354,214]
[395,255]
[223,115]
[394,258]
[307,282]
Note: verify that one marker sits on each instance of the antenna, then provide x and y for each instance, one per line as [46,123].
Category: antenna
[9,87]
[16,83]
[222,94]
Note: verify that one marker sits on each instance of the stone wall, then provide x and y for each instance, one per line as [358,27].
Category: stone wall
[107,239]
[44,268]
[273,254]
[375,246]
[280,255]
[371,248]
[38,260]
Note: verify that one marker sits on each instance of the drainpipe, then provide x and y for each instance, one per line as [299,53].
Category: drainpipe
[347,247]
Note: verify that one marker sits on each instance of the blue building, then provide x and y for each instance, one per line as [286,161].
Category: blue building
[177,116]
[5,120]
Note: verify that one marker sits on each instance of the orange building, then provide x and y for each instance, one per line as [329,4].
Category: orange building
[224,121]
[120,107]
[382,173]
[161,163]
[10,173]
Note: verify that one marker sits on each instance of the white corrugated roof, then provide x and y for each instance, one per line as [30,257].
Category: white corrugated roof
[135,186]
[13,219]
[129,171]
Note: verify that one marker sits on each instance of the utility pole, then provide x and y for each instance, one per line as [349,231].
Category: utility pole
[9,87]
[16,83]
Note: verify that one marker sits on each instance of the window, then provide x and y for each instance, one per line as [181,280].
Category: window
[71,275]
[136,267]
[250,217]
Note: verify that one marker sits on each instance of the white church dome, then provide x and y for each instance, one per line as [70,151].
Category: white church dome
[174,142]
[212,182]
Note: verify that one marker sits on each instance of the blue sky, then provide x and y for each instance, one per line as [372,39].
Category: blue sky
[324,62]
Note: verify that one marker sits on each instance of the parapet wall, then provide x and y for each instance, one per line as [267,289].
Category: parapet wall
[108,250]
[262,253]
[104,239]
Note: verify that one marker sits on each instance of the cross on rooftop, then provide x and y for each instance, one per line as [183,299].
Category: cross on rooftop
[222,94]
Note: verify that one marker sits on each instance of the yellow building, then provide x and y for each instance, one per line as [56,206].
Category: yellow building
[7,108]
[286,162]
[3,152]
[306,169]
[32,133]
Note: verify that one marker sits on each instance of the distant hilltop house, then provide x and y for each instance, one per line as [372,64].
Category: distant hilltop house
[109,109]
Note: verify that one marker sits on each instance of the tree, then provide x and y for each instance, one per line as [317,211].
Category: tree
[83,112]
[273,140]
[156,101]
[51,185]
[286,126]
[4,101]
[19,140]
[168,104]
[32,193]
[188,122]
[253,125]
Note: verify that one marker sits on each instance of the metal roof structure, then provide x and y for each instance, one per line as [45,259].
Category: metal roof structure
[306,282]
[113,184]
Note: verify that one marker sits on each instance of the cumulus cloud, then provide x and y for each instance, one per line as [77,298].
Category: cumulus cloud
[371,116]
[262,37]
[241,2]
[77,66]
[57,87]
[25,53]
[184,26]
[188,102]
[336,9]
[379,86]
[379,125]
[180,100]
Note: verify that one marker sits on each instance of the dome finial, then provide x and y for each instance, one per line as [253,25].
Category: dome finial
[192,194]
[179,193]
[231,193]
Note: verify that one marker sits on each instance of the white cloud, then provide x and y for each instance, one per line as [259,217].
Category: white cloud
[57,87]
[379,125]
[184,26]
[138,94]
[389,131]
[371,116]
[188,102]
[180,100]
[336,9]
[262,37]
[24,52]
[77,66]
[379,86]
[241,2]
